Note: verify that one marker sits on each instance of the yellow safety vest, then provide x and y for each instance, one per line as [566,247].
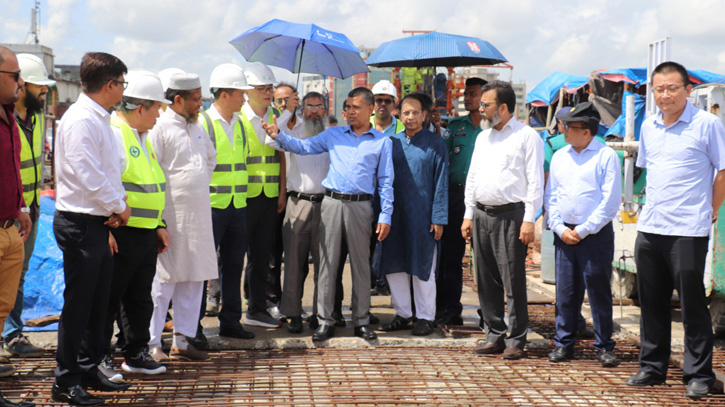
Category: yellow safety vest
[262,164]
[143,179]
[31,170]
[229,179]
[399,126]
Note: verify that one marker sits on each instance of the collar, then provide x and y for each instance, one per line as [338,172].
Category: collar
[249,112]
[348,129]
[215,115]
[84,99]
[685,116]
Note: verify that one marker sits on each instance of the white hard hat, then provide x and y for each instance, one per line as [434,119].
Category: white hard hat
[258,74]
[165,74]
[32,70]
[384,87]
[145,85]
[228,76]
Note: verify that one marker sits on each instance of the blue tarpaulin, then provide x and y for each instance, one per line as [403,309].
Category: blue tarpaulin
[701,76]
[44,281]
[547,91]
[636,76]
[618,127]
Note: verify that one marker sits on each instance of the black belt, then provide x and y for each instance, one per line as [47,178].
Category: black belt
[5,224]
[570,225]
[307,197]
[88,216]
[348,197]
[457,187]
[494,209]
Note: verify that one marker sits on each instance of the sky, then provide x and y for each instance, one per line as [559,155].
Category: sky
[537,37]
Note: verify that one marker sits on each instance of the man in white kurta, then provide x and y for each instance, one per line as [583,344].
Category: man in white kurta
[187,157]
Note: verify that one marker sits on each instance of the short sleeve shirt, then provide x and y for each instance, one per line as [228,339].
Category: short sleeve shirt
[460,142]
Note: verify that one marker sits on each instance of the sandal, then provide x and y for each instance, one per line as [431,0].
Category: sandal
[423,327]
[398,323]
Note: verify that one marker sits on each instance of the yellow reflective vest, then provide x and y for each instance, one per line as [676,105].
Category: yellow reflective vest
[143,179]
[230,177]
[399,126]
[262,164]
[31,170]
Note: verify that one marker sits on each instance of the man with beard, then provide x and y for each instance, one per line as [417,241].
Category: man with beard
[31,120]
[187,157]
[503,208]
[460,141]
[300,230]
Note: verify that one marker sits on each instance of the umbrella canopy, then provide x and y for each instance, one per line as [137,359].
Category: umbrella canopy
[306,48]
[435,49]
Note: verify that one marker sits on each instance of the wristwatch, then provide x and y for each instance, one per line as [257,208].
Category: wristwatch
[25,210]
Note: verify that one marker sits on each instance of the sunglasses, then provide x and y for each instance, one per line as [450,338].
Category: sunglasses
[15,74]
[382,101]
[567,126]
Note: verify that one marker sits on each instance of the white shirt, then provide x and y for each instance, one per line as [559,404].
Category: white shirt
[256,121]
[304,172]
[507,166]
[228,127]
[86,161]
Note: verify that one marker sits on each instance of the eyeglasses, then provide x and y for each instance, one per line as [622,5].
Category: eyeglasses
[281,101]
[382,101]
[567,126]
[671,89]
[122,83]
[311,108]
[485,105]
[265,89]
[16,74]
[414,113]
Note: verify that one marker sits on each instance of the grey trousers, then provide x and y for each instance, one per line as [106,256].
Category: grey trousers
[501,269]
[351,221]
[300,236]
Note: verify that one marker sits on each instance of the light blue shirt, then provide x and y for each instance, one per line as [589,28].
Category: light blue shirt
[584,189]
[358,164]
[681,161]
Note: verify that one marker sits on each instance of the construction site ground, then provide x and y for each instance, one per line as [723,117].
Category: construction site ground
[282,369]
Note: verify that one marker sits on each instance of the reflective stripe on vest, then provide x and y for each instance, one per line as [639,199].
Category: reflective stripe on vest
[31,170]
[263,163]
[143,179]
[230,172]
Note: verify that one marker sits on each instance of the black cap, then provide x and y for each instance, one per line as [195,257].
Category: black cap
[583,112]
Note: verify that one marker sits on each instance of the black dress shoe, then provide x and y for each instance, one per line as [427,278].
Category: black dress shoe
[313,322]
[697,389]
[235,332]
[373,319]
[294,326]
[7,403]
[561,354]
[74,395]
[450,319]
[199,341]
[365,332]
[323,332]
[99,381]
[644,378]
[339,319]
[607,358]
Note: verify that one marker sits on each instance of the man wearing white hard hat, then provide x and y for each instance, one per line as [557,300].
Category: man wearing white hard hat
[135,246]
[383,119]
[187,157]
[266,194]
[228,190]
[30,118]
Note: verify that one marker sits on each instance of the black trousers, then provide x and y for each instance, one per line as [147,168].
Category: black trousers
[665,263]
[261,231]
[88,271]
[450,273]
[134,268]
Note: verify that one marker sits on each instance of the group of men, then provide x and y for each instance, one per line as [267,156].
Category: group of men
[160,197]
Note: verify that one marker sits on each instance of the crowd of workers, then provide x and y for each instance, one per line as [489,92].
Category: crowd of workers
[157,203]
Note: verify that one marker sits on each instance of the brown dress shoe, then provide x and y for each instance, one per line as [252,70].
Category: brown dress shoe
[488,348]
[190,353]
[513,353]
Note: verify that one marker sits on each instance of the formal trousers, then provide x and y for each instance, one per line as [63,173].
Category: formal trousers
[134,268]
[11,266]
[88,272]
[501,270]
[301,236]
[230,240]
[585,265]
[453,248]
[186,297]
[14,323]
[665,263]
[261,231]
[424,293]
[350,222]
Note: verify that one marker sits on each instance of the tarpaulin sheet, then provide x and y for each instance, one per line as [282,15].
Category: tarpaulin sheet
[547,91]
[619,126]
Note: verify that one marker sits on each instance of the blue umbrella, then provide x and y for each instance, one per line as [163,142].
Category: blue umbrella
[435,49]
[299,48]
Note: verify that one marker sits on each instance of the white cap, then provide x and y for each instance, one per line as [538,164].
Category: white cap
[32,70]
[228,76]
[184,81]
[165,74]
[258,74]
[145,85]
[384,87]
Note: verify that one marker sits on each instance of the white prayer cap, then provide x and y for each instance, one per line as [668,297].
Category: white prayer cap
[165,74]
[184,81]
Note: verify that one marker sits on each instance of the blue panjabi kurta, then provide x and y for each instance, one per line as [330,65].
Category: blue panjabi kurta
[421,198]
